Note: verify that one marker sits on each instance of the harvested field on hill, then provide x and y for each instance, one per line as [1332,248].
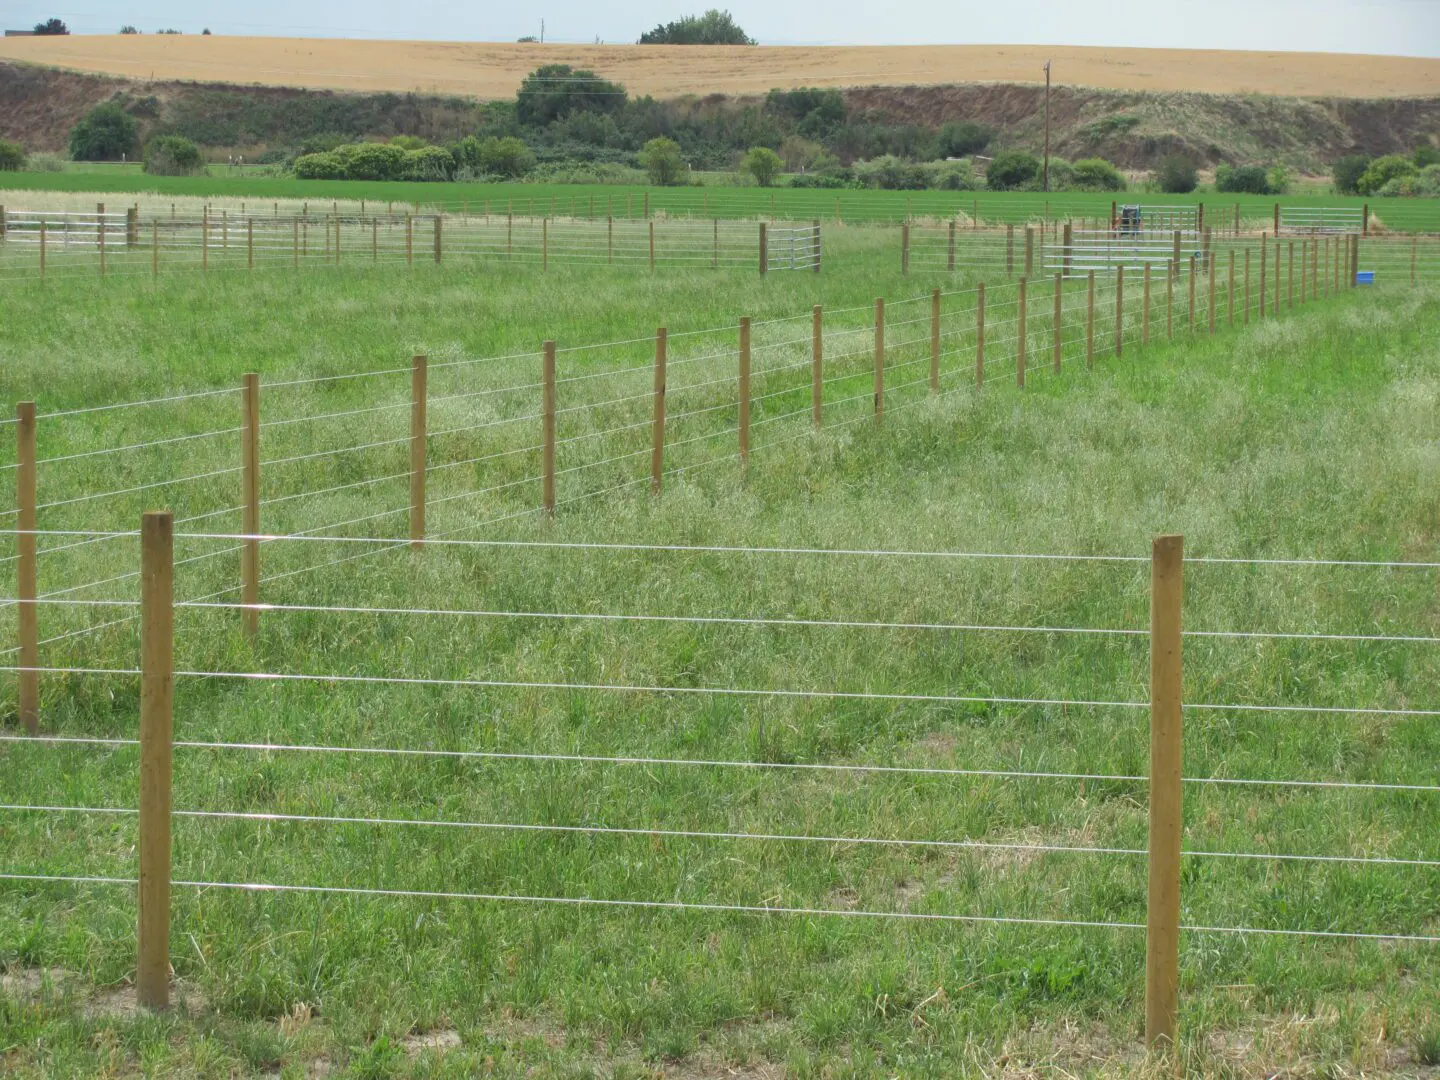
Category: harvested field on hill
[495,70]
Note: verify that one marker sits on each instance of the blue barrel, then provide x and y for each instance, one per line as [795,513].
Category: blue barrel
[1365,277]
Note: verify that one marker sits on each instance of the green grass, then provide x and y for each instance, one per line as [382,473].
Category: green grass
[1310,435]
[1401,214]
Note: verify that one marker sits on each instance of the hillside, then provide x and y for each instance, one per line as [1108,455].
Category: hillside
[39,105]
[489,71]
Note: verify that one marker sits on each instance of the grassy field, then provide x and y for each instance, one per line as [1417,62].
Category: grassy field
[1417,215]
[1311,435]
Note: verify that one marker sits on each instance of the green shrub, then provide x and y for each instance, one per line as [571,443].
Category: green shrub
[374,161]
[428,163]
[950,176]
[1176,175]
[12,156]
[324,166]
[961,139]
[890,173]
[322,143]
[1348,171]
[408,142]
[1097,174]
[45,163]
[1426,182]
[1011,169]
[1061,176]
[1279,179]
[715,27]
[1425,156]
[763,164]
[172,155]
[662,160]
[556,90]
[106,133]
[1382,171]
[1244,180]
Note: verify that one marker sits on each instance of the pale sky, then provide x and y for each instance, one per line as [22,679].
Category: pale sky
[1395,27]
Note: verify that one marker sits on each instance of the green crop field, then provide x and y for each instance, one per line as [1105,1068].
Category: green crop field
[558,771]
[1408,215]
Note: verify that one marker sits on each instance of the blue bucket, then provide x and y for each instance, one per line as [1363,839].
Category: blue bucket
[1365,277]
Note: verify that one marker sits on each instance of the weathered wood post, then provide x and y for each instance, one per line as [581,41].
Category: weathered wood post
[157,679]
[27,567]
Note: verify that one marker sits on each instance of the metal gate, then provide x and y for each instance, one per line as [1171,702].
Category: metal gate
[793,248]
[1320,220]
[1105,250]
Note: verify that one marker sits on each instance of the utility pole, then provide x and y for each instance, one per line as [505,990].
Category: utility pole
[542,31]
[1046,182]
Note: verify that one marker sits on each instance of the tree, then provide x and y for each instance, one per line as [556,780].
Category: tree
[1382,170]
[1176,175]
[1244,180]
[1425,156]
[763,164]
[323,166]
[12,156]
[508,157]
[1097,174]
[106,133]
[51,28]
[1011,169]
[171,155]
[128,30]
[961,139]
[661,158]
[1348,171]
[715,27]
[555,90]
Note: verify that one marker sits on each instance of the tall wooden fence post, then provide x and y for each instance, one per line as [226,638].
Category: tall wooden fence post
[1193,273]
[1057,321]
[1022,311]
[1145,308]
[1210,261]
[980,334]
[250,503]
[157,680]
[745,390]
[1162,937]
[1068,250]
[817,350]
[547,426]
[1264,247]
[652,245]
[879,359]
[1175,252]
[935,341]
[764,249]
[657,443]
[905,248]
[438,241]
[409,240]
[419,367]
[1009,251]
[1029,250]
[950,249]
[26,570]
[1119,311]
[1090,319]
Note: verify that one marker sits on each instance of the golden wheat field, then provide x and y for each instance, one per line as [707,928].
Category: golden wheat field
[494,70]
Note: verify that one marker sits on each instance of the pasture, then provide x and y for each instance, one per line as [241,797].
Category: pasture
[829,763]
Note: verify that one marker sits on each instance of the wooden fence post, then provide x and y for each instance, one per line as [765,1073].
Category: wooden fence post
[1029,250]
[980,335]
[1119,310]
[1264,247]
[1365,220]
[1022,312]
[132,226]
[1354,261]
[1145,307]
[745,390]
[250,503]
[950,250]
[905,248]
[935,341]
[547,427]
[1162,936]
[438,241]
[409,240]
[250,246]
[1175,253]
[764,250]
[1230,306]
[1246,306]
[1068,250]
[157,681]
[879,359]
[1193,274]
[1211,290]
[657,444]
[26,571]
[1057,320]
[1275,299]
[419,367]
[1290,277]
[337,239]
[1009,251]
[1090,320]
[1277,221]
